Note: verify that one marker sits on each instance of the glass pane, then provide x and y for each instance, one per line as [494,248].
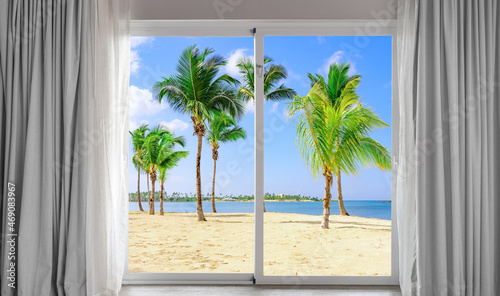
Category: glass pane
[336,121]
[190,88]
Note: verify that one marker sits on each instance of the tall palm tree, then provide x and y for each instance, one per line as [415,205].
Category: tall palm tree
[273,74]
[333,129]
[138,138]
[167,161]
[197,90]
[159,152]
[222,128]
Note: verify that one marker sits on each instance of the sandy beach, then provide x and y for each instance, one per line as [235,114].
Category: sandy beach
[294,244]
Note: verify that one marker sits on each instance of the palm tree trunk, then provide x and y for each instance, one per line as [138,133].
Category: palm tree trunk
[149,193]
[161,199]
[152,197]
[213,188]
[264,206]
[325,223]
[343,212]
[139,190]
[199,205]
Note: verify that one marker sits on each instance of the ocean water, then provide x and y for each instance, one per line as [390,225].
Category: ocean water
[361,208]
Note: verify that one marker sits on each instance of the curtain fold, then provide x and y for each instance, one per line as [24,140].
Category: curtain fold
[107,199]
[448,197]
[63,82]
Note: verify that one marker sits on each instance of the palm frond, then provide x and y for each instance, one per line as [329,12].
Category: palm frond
[333,127]
[281,93]
[222,128]
[197,88]
[273,74]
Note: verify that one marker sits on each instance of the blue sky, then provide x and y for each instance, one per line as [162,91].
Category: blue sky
[284,171]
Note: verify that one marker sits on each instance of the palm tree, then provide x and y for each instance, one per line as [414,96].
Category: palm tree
[138,138]
[167,161]
[222,128]
[158,152]
[273,74]
[197,90]
[333,129]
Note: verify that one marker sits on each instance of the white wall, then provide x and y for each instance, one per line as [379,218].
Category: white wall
[263,9]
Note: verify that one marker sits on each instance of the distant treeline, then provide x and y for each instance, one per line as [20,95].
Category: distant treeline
[184,197]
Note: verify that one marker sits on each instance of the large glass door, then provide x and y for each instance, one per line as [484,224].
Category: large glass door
[270,187]
[191,176]
[327,157]
[328,138]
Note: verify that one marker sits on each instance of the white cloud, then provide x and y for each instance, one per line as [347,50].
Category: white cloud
[137,41]
[141,102]
[334,58]
[274,107]
[232,61]
[132,124]
[337,57]
[135,61]
[175,125]
[250,106]
[321,39]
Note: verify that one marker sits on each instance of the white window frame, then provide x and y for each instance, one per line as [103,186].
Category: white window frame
[245,28]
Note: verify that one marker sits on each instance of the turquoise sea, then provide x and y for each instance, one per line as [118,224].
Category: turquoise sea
[361,208]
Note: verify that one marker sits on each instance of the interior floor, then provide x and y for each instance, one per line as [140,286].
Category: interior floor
[152,290]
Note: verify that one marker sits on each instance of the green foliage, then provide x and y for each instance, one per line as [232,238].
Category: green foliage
[273,74]
[138,139]
[196,90]
[222,128]
[178,197]
[158,151]
[155,153]
[333,126]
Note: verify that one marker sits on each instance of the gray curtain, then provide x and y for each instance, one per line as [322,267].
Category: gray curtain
[448,193]
[41,118]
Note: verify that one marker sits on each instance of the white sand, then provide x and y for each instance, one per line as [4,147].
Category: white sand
[294,244]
